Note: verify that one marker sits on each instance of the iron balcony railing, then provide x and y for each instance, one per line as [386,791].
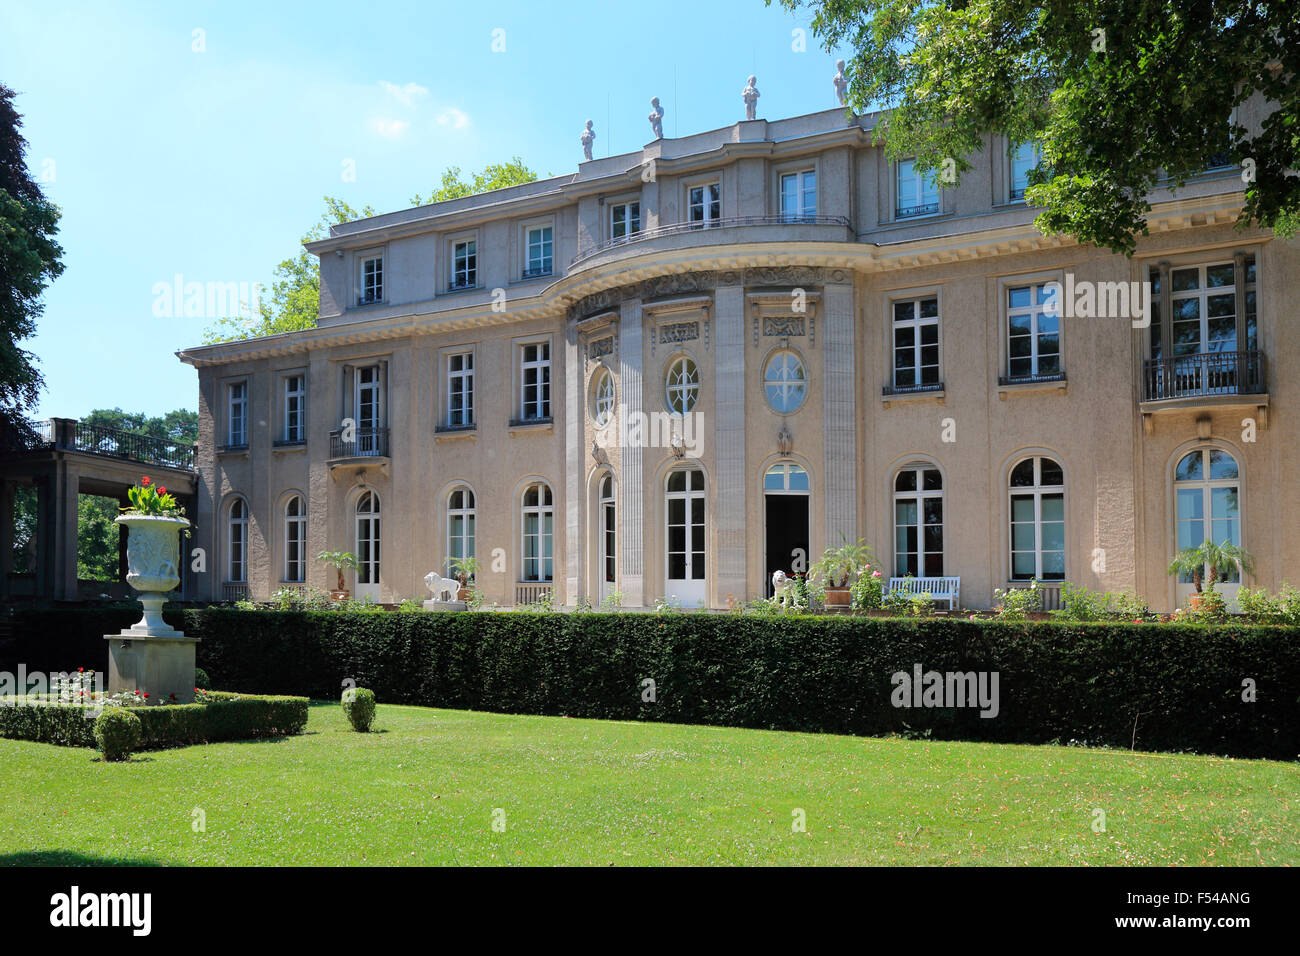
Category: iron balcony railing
[232,591]
[361,443]
[1204,374]
[923,209]
[680,228]
[1031,379]
[64,433]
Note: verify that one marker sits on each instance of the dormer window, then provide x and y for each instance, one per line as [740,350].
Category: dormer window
[372,278]
[464,264]
[918,195]
[539,248]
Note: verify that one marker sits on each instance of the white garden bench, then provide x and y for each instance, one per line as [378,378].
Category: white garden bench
[940,589]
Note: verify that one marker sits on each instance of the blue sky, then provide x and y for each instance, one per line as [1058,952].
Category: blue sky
[211,164]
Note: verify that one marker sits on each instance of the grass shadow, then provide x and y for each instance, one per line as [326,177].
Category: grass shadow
[72,858]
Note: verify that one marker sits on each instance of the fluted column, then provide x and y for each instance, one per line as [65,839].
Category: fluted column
[839,413]
[728,491]
[574,510]
[631,504]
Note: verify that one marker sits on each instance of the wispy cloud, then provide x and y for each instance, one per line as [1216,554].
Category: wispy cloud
[453,118]
[389,128]
[406,95]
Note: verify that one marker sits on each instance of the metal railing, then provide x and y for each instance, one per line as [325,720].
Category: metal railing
[91,439]
[685,227]
[1204,374]
[912,389]
[924,209]
[233,591]
[1031,379]
[363,443]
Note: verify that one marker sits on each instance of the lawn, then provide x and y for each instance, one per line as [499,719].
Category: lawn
[427,787]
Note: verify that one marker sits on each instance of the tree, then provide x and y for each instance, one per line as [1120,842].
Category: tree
[97,538]
[181,425]
[1119,94]
[29,261]
[494,176]
[295,291]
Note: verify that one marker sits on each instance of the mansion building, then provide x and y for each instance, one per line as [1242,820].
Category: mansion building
[677,370]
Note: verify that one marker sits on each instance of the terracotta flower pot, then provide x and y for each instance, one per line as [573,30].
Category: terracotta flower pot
[463,593]
[339,595]
[1195,601]
[838,597]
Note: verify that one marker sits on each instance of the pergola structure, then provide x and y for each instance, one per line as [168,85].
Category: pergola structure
[74,458]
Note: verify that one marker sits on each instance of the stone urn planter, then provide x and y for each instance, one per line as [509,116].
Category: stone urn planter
[153,565]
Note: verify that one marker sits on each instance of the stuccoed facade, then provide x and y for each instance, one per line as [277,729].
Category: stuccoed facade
[768,248]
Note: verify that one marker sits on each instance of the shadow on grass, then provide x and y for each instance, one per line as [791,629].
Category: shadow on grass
[72,858]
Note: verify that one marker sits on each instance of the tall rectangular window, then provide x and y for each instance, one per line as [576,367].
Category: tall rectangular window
[372,279]
[1023,158]
[464,264]
[918,194]
[295,406]
[539,259]
[237,419]
[624,220]
[704,205]
[460,389]
[535,379]
[1033,332]
[916,343]
[799,195]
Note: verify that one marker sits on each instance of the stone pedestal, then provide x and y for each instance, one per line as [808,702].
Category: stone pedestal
[158,664]
[445,606]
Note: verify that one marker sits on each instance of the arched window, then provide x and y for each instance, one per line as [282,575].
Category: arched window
[538,533]
[918,522]
[608,532]
[1037,520]
[603,398]
[460,525]
[683,386]
[367,545]
[1208,495]
[295,540]
[785,381]
[237,543]
[786,476]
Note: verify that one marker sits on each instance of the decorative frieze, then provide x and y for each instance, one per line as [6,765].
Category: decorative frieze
[679,332]
[600,348]
[783,326]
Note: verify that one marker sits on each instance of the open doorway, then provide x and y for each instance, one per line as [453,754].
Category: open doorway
[785,502]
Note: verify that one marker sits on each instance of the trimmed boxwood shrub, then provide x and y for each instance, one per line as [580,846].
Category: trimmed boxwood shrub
[359,705]
[201,679]
[1158,687]
[226,717]
[117,733]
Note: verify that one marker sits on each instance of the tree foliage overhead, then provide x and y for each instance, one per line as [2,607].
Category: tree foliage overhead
[294,302]
[1119,93]
[29,261]
[180,425]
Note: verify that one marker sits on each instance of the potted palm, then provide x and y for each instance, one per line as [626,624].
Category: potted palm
[837,568]
[1211,562]
[464,570]
[152,519]
[339,561]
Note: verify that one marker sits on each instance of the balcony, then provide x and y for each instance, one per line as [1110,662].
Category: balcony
[734,229]
[1204,380]
[361,447]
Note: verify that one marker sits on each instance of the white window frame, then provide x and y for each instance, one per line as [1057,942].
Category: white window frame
[803,193]
[607,504]
[294,403]
[369,568]
[631,223]
[710,204]
[682,387]
[460,381]
[543,538]
[1015,157]
[1040,302]
[913,201]
[544,264]
[687,496]
[467,516]
[1207,486]
[1203,293]
[469,273]
[916,323]
[295,533]
[1038,491]
[919,497]
[785,386]
[237,413]
[370,277]
[602,397]
[538,406]
[237,541]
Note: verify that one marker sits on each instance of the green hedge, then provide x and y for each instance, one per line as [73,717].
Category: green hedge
[227,717]
[1162,687]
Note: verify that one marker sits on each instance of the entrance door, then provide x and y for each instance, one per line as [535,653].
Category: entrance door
[368,547]
[369,413]
[685,500]
[785,499]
